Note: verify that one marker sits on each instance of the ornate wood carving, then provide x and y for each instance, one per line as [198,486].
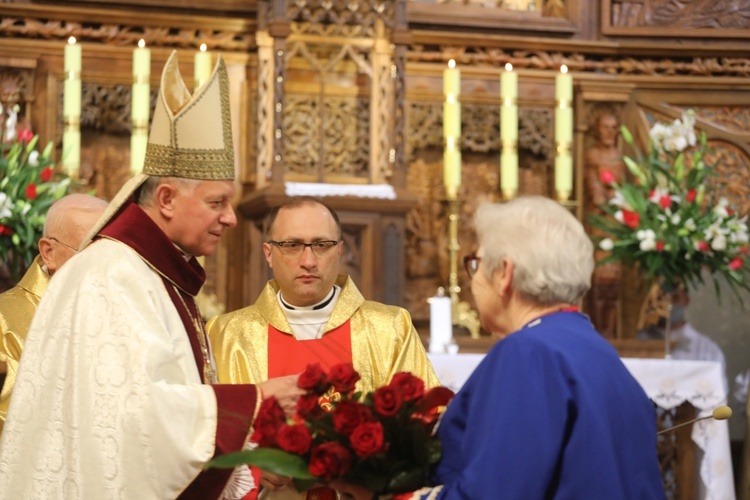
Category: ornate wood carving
[16,85]
[41,26]
[350,19]
[584,62]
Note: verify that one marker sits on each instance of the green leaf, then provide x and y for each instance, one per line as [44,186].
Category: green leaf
[626,135]
[269,459]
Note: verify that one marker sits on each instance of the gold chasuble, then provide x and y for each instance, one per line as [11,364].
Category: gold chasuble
[382,340]
[17,308]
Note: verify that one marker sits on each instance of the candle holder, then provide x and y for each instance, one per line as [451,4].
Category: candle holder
[461,312]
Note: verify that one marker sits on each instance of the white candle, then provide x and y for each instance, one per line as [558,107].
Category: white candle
[509,132]
[441,324]
[564,133]
[452,129]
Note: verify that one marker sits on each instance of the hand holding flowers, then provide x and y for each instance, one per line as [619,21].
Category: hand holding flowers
[382,441]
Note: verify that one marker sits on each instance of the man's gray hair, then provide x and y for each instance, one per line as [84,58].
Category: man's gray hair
[145,196]
[553,257]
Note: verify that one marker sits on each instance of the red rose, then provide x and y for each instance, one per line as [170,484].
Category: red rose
[607,177]
[348,415]
[367,439]
[665,201]
[735,263]
[5,230]
[268,422]
[659,245]
[691,194]
[25,135]
[45,174]
[308,406]
[294,438]
[409,386]
[703,246]
[387,400]
[329,461]
[343,377]
[31,191]
[313,379]
[632,219]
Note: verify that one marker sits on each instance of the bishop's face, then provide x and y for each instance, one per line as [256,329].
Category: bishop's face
[202,215]
[305,277]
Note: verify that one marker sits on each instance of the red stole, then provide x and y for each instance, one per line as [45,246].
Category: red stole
[287,355]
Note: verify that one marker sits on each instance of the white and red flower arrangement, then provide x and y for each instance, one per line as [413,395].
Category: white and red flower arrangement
[28,186]
[668,221]
[383,440]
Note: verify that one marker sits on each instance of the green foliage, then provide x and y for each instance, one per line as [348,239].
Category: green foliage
[668,222]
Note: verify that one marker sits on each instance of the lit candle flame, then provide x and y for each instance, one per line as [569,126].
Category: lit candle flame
[563,69]
[72,40]
[508,67]
[451,63]
[142,43]
[204,47]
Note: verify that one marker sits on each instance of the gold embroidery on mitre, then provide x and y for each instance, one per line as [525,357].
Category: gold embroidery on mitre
[188,137]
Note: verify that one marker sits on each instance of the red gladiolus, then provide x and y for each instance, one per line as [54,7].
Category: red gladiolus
[632,219]
[31,191]
[329,460]
[25,135]
[607,177]
[703,246]
[294,438]
[665,201]
[45,174]
[659,245]
[735,263]
[691,194]
[367,439]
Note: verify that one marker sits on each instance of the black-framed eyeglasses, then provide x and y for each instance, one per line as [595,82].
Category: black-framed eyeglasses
[296,248]
[62,243]
[471,264]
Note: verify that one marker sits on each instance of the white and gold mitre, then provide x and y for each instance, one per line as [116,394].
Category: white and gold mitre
[191,135]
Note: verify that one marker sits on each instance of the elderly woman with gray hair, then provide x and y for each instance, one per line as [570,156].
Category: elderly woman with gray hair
[551,411]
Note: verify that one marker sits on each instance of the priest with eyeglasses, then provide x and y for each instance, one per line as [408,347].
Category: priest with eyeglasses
[309,313]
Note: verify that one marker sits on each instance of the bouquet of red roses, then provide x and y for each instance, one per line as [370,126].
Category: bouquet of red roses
[383,441]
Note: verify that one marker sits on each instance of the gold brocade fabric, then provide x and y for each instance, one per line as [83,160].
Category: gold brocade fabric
[17,308]
[384,341]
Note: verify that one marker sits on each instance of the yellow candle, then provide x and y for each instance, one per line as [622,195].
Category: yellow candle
[564,174]
[509,172]
[564,124]
[140,107]
[452,169]
[564,85]
[201,66]
[138,143]
[451,119]
[451,80]
[71,153]
[73,57]
[509,84]
[72,82]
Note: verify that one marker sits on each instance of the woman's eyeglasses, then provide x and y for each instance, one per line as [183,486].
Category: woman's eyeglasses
[471,264]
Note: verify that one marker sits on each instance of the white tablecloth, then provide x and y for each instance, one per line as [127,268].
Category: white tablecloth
[668,383]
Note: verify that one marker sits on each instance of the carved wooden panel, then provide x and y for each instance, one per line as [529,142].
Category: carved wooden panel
[683,18]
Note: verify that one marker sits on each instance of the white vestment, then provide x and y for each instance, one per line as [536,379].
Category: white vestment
[108,402]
